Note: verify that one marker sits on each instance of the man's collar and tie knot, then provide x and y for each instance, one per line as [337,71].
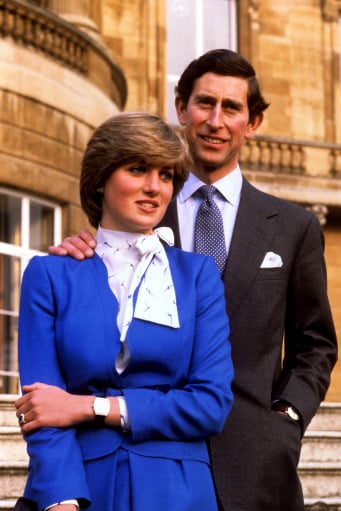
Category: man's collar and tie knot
[209,238]
[206,192]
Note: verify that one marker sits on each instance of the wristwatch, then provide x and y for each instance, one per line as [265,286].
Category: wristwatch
[101,407]
[283,407]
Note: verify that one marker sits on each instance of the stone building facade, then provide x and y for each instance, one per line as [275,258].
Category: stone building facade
[66,66]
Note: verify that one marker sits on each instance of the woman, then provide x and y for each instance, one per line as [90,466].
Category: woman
[124,358]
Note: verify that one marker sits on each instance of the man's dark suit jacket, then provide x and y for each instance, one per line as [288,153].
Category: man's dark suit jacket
[254,460]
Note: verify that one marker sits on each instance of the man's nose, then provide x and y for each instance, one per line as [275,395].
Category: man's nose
[215,117]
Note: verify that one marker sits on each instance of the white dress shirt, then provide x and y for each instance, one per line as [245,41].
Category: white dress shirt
[228,202]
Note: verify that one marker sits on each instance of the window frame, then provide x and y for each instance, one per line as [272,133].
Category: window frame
[232,44]
[23,253]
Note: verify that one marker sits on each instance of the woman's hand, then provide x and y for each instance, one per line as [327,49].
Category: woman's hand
[49,406]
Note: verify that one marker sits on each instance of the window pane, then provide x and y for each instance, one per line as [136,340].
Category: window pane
[9,304]
[340,45]
[171,113]
[10,219]
[181,34]
[194,27]
[26,226]
[9,283]
[41,226]
[215,25]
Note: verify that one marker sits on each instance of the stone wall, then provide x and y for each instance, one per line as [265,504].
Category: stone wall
[49,102]
[56,85]
[135,33]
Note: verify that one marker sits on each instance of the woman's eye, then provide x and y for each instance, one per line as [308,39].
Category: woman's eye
[136,170]
[167,175]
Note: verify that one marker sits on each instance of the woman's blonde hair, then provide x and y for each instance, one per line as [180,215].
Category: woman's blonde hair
[126,138]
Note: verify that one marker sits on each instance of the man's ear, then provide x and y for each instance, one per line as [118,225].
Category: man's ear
[181,110]
[254,125]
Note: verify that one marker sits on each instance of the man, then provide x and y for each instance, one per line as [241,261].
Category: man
[283,340]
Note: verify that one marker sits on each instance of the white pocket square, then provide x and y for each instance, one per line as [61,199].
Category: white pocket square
[272,260]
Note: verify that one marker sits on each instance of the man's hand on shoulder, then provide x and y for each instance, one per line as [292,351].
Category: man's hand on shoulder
[79,247]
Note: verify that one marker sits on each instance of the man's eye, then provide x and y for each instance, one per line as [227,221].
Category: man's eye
[231,107]
[205,101]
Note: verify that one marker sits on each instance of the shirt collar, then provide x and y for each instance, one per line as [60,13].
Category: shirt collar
[229,186]
[123,239]
[116,238]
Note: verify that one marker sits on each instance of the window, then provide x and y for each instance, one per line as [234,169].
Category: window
[340,43]
[194,27]
[27,227]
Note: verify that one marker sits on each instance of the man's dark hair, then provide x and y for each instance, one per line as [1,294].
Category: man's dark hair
[226,63]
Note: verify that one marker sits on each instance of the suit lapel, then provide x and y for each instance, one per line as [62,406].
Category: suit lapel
[254,229]
[171,220]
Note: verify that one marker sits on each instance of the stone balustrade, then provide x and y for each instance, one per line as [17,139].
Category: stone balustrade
[32,27]
[43,31]
[286,156]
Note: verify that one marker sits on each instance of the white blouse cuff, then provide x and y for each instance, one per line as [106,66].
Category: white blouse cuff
[70,501]
[125,422]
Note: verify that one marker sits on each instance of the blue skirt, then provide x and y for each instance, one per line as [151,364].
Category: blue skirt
[125,481]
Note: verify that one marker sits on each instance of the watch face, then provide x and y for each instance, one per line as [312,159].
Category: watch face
[292,414]
[101,406]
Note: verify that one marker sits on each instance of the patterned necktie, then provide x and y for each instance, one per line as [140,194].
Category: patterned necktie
[209,238]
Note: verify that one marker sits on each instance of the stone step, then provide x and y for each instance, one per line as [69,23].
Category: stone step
[321,446]
[7,504]
[13,446]
[331,504]
[321,483]
[320,479]
[7,410]
[319,468]
[13,476]
[328,418]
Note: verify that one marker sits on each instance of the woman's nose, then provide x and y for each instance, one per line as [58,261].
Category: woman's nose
[152,182]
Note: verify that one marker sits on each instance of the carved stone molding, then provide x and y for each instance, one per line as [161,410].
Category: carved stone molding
[78,12]
[253,9]
[254,5]
[36,29]
[320,210]
[289,156]
[42,31]
[331,10]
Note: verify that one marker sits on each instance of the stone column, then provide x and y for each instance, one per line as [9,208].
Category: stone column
[81,13]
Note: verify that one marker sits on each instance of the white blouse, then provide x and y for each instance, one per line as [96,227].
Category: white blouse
[134,259]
